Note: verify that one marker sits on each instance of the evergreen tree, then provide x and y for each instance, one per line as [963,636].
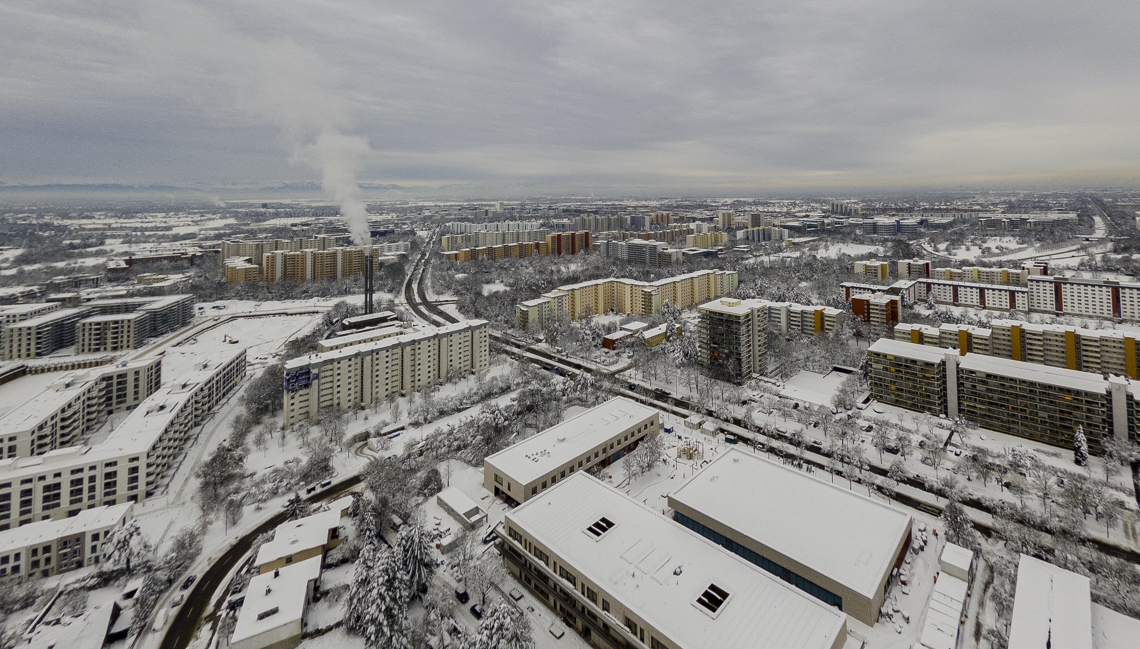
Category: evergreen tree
[296,507]
[415,554]
[503,628]
[128,549]
[356,610]
[1080,447]
[386,618]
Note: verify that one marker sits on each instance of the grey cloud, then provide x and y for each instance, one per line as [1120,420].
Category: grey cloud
[573,94]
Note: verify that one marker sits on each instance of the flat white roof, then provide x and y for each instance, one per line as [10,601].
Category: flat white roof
[1051,604]
[303,534]
[840,534]
[368,335]
[47,531]
[540,454]
[1112,630]
[915,351]
[52,316]
[283,590]
[658,569]
[1047,374]
[458,502]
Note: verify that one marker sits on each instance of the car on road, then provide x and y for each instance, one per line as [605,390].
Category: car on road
[662,391]
[178,601]
[461,594]
[633,386]
[477,611]
[188,582]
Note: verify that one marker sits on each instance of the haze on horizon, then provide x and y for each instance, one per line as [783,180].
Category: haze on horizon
[570,96]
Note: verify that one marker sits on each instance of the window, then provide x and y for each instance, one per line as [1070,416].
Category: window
[713,598]
[567,575]
[600,527]
[498,479]
[591,595]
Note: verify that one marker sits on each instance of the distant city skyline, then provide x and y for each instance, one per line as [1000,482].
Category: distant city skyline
[527,99]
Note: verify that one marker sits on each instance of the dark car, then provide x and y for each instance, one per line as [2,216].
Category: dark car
[490,537]
[662,391]
[188,582]
[892,449]
[633,386]
[462,595]
[477,611]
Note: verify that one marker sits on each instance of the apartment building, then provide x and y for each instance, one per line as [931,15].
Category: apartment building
[1099,351]
[913,269]
[70,283]
[52,547]
[598,437]
[531,245]
[706,240]
[850,571]
[872,270]
[242,269]
[13,313]
[358,375]
[1106,299]
[964,338]
[761,234]
[41,335]
[878,309]
[111,333]
[483,238]
[130,465]
[627,296]
[907,375]
[43,412]
[732,338]
[624,576]
[370,335]
[1040,402]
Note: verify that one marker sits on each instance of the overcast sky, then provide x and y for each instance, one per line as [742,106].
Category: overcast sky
[606,95]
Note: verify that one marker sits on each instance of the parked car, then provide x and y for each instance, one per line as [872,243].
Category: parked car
[633,386]
[178,601]
[662,391]
[489,537]
[461,594]
[477,611]
[892,449]
[188,582]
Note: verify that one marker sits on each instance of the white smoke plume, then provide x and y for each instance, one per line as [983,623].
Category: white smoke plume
[277,81]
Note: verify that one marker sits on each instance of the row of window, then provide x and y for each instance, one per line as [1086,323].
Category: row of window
[792,578]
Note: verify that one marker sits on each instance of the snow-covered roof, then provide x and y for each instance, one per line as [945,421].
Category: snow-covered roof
[282,591]
[838,533]
[1047,374]
[634,326]
[1051,605]
[303,534]
[459,502]
[540,454]
[892,347]
[658,569]
[51,317]
[113,317]
[88,630]
[538,301]
[956,560]
[1112,630]
[943,611]
[49,530]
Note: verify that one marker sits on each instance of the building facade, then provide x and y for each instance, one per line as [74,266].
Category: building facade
[598,437]
[359,375]
[52,547]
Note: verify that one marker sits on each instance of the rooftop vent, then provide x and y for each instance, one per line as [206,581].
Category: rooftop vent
[264,614]
[713,598]
[600,527]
